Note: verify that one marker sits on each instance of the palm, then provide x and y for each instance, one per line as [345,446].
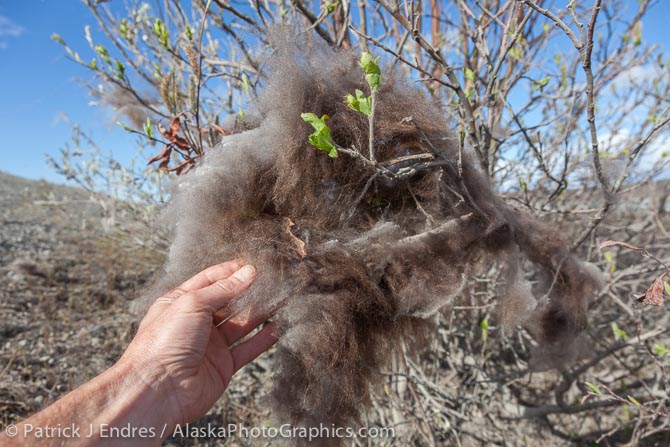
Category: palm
[203,374]
[193,353]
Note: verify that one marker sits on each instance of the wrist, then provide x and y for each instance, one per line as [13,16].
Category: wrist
[121,406]
[126,406]
[139,404]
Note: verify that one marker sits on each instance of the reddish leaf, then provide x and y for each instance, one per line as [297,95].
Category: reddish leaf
[620,244]
[163,166]
[165,153]
[654,294]
[175,142]
[163,130]
[181,142]
[175,124]
[221,130]
[177,169]
[172,132]
[298,243]
[186,169]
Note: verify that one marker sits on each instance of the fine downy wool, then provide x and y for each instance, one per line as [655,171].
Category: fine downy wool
[353,262]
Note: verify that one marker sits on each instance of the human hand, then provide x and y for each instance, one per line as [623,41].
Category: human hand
[176,367]
[181,352]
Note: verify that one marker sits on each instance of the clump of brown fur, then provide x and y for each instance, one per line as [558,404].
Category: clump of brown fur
[376,267]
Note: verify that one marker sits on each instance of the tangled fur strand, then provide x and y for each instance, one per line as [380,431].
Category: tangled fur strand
[381,255]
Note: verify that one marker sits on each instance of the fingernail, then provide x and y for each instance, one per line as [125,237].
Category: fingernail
[246,273]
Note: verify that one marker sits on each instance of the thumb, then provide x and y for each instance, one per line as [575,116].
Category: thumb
[217,295]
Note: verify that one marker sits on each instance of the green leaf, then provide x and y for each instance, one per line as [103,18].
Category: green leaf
[148,128]
[124,127]
[594,388]
[522,183]
[609,257]
[189,32]
[123,29]
[542,83]
[469,74]
[331,5]
[377,201]
[94,64]
[160,30]
[57,38]
[387,391]
[637,33]
[634,401]
[351,101]
[120,70]
[366,59]
[360,102]
[323,143]
[374,81]
[319,124]
[485,329]
[245,83]
[320,138]
[373,75]
[102,51]
[666,286]
[158,27]
[661,350]
[619,334]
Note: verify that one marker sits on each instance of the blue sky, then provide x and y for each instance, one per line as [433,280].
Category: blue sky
[39,85]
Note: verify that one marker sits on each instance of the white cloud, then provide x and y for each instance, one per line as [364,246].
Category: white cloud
[656,152]
[8,28]
[638,75]
[652,156]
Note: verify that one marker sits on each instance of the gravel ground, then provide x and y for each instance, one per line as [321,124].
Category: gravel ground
[68,285]
[66,305]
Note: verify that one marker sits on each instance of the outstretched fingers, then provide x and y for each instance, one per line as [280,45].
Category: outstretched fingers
[239,325]
[248,350]
[208,277]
